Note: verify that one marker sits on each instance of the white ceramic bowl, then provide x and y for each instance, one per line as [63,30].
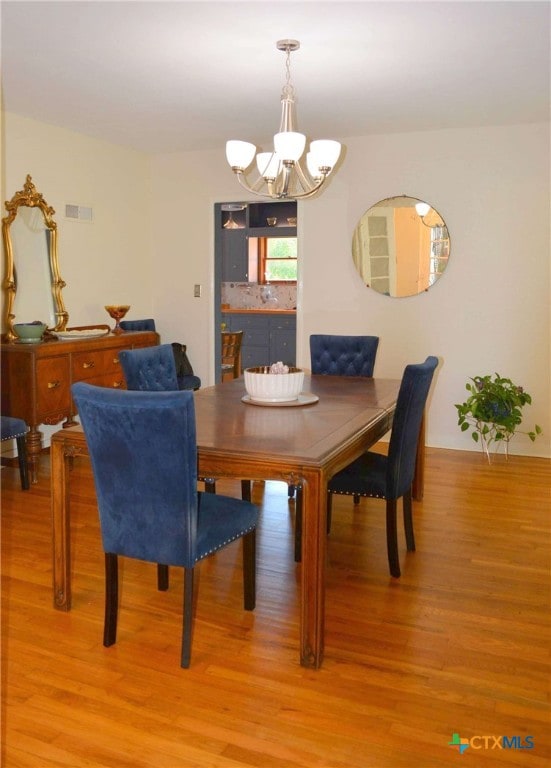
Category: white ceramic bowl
[264,387]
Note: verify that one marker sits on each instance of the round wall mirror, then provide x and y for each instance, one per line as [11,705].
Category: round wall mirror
[401,246]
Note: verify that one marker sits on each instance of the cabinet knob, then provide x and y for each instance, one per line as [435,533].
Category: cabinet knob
[116,361]
[117,384]
[54,384]
[90,364]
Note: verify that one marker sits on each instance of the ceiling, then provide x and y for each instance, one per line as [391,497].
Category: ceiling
[176,76]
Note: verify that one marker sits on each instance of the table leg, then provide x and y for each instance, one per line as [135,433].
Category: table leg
[314,541]
[60,501]
[34,448]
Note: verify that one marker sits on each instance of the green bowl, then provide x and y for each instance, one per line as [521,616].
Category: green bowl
[29,333]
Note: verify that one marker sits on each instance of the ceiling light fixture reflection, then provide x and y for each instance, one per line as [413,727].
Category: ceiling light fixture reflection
[422,209]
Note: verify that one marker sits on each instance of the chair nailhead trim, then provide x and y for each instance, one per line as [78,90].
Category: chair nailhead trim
[228,541]
[355,493]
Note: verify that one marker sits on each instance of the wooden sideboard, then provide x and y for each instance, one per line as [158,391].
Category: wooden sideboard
[37,378]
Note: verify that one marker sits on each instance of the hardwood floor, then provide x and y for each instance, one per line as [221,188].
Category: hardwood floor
[460,644]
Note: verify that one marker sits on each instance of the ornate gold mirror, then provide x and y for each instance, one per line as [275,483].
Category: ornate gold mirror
[33,284]
[401,246]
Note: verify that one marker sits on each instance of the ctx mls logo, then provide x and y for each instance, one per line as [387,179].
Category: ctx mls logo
[461,744]
[491,742]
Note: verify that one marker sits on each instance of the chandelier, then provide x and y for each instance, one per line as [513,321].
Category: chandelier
[282,172]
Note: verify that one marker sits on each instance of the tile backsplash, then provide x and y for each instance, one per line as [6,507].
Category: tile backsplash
[255,296]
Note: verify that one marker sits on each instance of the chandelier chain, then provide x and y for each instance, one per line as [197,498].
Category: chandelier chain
[288,91]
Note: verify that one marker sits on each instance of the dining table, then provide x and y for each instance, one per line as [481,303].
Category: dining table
[303,443]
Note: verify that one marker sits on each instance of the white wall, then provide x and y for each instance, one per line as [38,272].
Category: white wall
[104,262]
[489,312]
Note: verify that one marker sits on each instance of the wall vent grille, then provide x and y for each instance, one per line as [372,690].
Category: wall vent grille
[78,213]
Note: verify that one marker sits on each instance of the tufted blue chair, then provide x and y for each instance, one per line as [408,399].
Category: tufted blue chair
[150,369]
[391,477]
[144,459]
[147,324]
[343,355]
[336,355]
[16,429]
[186,378]
[154,369]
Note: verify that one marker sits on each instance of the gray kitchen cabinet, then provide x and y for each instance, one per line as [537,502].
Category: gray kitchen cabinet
[267,337]
[235,255]
[283,339]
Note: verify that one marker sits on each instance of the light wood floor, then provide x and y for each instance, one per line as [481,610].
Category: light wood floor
[460,644]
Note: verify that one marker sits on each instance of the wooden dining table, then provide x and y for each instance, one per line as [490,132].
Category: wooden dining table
[304,444]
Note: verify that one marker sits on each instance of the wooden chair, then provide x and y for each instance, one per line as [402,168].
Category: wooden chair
[231,354]
[231,369]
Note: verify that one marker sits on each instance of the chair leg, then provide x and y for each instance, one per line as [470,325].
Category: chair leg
[23,463]
[111,599]
[392,538]
[298,524]
[249,571]
[162,577]
[408,521]
[187,618]
[329,511]
[246,490]
[356,498]
[210,484]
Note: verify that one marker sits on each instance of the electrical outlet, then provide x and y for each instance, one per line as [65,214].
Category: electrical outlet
[197,291]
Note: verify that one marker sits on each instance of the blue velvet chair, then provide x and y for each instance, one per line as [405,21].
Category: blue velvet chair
[153,369]
[144,460]
[343,355]
[337,355]
[16,429]
[147,324]
[186,377]
[391,477]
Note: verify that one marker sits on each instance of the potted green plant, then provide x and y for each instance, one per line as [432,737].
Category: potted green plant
[493,411]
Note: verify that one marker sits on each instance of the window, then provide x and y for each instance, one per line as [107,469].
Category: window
[277,259]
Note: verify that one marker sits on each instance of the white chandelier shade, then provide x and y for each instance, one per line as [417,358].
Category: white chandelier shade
[240,154]
[268,165]
[281,172]
[289,145]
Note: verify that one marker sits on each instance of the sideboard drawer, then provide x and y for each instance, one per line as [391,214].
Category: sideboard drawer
[87,365]
[113,380]
[52,386]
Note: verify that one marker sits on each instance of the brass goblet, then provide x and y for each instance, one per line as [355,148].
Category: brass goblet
[117,312]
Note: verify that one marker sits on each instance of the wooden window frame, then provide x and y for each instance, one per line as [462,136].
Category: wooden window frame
[262,259]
